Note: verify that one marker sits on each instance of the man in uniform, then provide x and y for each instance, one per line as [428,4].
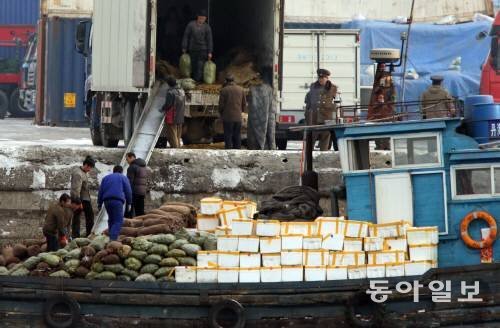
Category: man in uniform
[436,102]
[320,106]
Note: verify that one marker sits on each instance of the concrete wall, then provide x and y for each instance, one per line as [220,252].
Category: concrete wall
[32,177]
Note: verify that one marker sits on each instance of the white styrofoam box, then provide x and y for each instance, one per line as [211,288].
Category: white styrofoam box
[227,243]
[396,244]
[210,206]
[248,275]
[270,274]
[223,231]
[291,257]
[356,272]
[417,268]
[250,207]
[356,229]
[375,271]
[292,242]
[292,273]
[327,226]
[226,217]
[206,259]
[243,227]
[268,228]
[347,258]
[315,273]
[185,274]
[384,257]
[298,228]
[372,244]
[353,244]
[333,242]
[424,253]
[312,242]
[394,270]
[389,230]
[206,275]
[270,245]
[422,236]
[228,275]
[248,244]
[336,272]
[271,260]
[207,222]
[315,257]
[230,204]
[228,259]
[249,260]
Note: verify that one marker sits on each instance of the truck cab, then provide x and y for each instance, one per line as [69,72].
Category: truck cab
[490,78]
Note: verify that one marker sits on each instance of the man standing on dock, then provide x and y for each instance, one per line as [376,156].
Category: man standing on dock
[232,103]
[137,174]
[198,42]
[80,189]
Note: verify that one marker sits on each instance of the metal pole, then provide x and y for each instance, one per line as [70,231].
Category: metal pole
[405,55]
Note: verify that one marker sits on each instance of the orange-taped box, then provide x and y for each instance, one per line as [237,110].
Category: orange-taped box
[424,252]
[312,242]
[353,244]
[372,244]
[291,257]
[422,236]
[292,273]
[417,268]
[250,275]
[298,228]
[268,228]
[249,244]
[250,207]
[356,229]
[270,245]
[270,274]
[271,260]
[207,223]
[327,226]
[210,205]
[206,259]
[223,231]
[347,258]
[315,273]
[228,275]
[226,217]
[185,274]
[389,230]
[375,271]
[315,257]
[292,242]
[394,270]
[396,244]
[227,243]
[206,275]
[336,272]
[333,242]
[243,227]
[384,257]
[228,259]
[249,260]
[356,271]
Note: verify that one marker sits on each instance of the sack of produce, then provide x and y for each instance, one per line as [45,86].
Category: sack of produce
[149,268]
[169,262]
[165,239]
[60,274]
[147,277]
[152,259]
[131,273]
[159,249]
[209,72]
[188,84]
[129,231]
[133,264]
[185,65]
[106,275]
[115,268]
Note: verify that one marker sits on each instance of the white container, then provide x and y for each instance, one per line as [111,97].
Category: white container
[248,244]
[371,244]
[227,243]
[333,242]
[230,204]
[315,273]
[384,257]
[327,226]
[270,245]
[207,259]
[356,229]
[271,260]
[268,228]
[249,260]
[228,275]
[292,273]
[207,223]
[210,206]
[417,268]
[347,258]
[353,244]
[270,274]
[315,257]
[396,244]
[313,242]
[223,231]
[422,236]
[291,242]
[389,230]
[424,253]
[298,228]
[394,270]
[250,207]
[226,217]
[228,259]
[185,274]
[243,227]
[336,272]
[249,275]
[356,272]
[375,271]
[206,275]
[291,257]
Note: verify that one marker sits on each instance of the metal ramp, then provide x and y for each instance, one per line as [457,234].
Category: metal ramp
[143,141]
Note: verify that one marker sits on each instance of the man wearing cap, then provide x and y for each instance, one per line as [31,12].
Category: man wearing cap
[232,103]
[198,42]
[436,102]
[320,106]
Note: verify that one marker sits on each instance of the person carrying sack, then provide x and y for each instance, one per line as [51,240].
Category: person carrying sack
[174,109]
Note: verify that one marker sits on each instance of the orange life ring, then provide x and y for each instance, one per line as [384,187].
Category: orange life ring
[464,230]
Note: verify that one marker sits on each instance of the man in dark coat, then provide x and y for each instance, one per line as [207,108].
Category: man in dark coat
[232,104]
[198,42]
[114,193]
[436,101]
[137,174]
[80,188]
[175,104]
[56,225]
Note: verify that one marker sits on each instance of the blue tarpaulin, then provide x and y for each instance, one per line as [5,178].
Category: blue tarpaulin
[432,49]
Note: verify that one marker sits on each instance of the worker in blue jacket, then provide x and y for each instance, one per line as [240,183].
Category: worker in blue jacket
[115,191]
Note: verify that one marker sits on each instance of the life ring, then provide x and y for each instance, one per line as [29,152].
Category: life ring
[227,314]
[61,304]
[464,230]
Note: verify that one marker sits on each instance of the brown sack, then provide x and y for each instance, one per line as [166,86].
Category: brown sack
[176,208]
[133,223]
[148,216]
[191,207]
[130,232]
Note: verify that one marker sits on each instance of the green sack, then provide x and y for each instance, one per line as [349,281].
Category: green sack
[185,65]
[209,72]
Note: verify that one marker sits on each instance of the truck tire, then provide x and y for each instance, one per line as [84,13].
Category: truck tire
[227,314]
[61,312]
[16,109]
[95,123]
[4,104]
[106,136]
[281,144]
[128,121]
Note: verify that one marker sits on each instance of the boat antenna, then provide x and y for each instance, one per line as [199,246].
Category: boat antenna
[405,55]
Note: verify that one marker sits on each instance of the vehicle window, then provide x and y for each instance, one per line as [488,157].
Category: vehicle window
[416,151]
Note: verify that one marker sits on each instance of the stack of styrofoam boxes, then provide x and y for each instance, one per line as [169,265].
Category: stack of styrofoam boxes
[423,246]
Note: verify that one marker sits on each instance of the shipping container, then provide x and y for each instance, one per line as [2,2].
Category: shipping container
[67,8]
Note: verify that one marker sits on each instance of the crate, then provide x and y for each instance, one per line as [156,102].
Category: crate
[206,275]
[271,260]
[243,227]
[249,260]
[248,244]
[298,228]
[270,274]
[356,272]
[250,275]
[268,228]
[207,222]
[228,275]
[372,244]
[315,273]
[347,258]
[291,257]
[389,230]
[292,273]
[292,242]
[210,206]
[185,274]
[227,243]
[315,257]
[207,259]
[312,242]
[384,257]
[327,226]
[228,259]
[353,244]
[336,272]
[270,245]
[422,236]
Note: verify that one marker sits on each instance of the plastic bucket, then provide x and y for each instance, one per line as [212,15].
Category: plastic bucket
[484,124]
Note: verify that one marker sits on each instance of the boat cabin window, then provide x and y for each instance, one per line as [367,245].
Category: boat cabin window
[416,151]
[367,154]
[476,182]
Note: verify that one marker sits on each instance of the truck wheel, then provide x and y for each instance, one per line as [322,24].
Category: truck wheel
[4,104]
[227,314]
[107,140]
[128,122]
[95,122]
[61,312]
[16,108]
[281,144]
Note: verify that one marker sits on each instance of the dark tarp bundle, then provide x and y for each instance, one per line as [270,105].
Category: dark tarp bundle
[292,203]
[261,118]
